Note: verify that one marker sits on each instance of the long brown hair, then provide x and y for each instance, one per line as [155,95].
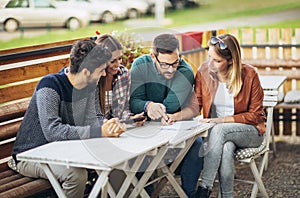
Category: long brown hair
[233,52]
[112,44]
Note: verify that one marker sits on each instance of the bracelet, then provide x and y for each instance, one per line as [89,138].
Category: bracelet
[145,106]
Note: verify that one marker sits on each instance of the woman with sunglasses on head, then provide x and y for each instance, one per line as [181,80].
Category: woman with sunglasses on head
[230,95]
[112,96]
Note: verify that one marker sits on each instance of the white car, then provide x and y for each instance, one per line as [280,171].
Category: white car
[15,14]
[99,11]
[135,8]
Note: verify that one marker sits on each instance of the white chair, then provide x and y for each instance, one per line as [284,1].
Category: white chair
[262,152]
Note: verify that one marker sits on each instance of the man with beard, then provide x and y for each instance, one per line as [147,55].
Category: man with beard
[63,108]
[161,84]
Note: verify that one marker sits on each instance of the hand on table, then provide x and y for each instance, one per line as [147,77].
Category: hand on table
[113,128]
[170,119]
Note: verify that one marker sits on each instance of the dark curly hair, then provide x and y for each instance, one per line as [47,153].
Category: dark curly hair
[87,54]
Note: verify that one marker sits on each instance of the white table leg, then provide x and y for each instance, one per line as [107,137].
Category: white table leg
[149,171]
[130,177]
[55,184]
[100,183]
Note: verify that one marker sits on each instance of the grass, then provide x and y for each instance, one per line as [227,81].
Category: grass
[214,11]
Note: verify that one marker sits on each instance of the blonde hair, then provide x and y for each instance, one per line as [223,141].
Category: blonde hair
[233,52]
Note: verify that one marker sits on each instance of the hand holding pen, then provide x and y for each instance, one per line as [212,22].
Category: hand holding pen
[156,111]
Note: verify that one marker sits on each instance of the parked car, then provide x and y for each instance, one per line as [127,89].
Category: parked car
[39,13]
[135,8]
[100,11]
[180,4]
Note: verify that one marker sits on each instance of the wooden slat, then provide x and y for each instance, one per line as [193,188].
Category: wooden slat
[261,38]
[28,189]
[15,183]
[35,47]
[6,150]
[274,63]
[9,130]
[3,167]
[7,173]
[35,70]
[17,92]
[287,122]
[247,38]
[31,49]
[13,110]
[290,74]
[286,37]
[9,179]
[274,36]
[297,40]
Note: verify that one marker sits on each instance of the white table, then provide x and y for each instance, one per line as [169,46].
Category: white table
[106,154]
[271,85]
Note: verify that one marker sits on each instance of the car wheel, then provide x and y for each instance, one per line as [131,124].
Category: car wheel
[73,24]
[133,14]
[11,25]
[178,4]
[108,17]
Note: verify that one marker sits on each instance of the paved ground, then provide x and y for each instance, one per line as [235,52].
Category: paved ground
[282,179]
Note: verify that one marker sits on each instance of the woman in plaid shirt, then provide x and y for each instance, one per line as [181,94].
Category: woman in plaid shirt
[112,95]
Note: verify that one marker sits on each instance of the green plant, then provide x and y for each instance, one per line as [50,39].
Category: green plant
[133,46]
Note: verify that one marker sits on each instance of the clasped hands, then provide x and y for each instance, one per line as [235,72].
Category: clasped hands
[113,127]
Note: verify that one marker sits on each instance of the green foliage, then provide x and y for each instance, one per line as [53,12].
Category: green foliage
[132,46]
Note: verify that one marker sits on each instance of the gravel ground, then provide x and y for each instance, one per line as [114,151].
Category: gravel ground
[282,179]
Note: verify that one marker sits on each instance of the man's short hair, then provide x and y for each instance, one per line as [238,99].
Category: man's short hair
[87,54]
[165,44]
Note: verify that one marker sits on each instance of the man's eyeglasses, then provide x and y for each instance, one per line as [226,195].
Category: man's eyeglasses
[215,40]
[168,65]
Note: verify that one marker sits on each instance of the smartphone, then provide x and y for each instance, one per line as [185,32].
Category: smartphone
[131,121]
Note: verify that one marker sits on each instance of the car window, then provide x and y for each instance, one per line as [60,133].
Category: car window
[42,4]
[18,4]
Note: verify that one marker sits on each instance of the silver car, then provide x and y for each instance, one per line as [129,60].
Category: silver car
[15,14]
[135,8]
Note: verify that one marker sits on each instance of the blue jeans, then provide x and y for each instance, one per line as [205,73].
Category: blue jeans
[218,150]
[191,167]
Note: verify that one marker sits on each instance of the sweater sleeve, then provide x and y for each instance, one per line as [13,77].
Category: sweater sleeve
[54,129]
[138,95]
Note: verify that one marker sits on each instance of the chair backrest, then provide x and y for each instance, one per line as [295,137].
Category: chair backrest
[270,101]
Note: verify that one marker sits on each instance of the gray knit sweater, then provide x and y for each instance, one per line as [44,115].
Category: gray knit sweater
[58,111]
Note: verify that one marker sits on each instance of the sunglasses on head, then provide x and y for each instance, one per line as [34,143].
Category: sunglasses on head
[215,40]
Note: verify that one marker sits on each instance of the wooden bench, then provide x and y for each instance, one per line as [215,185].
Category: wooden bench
[20,71]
